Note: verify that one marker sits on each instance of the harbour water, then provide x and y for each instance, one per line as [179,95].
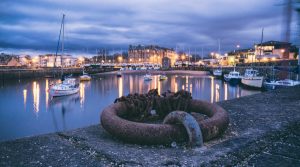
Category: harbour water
[26,108]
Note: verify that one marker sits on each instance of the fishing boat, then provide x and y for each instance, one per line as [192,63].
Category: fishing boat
[251,79]
[143,68]
[147,77]
[68,86]
[163,77]
[85,77]
[281,83]
[217,73]
[233,77]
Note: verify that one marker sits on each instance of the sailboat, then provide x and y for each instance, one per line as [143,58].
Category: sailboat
[218,72]
[273,84]
[251,78]
[68,86]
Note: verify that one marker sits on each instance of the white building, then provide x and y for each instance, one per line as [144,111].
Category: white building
[50,60]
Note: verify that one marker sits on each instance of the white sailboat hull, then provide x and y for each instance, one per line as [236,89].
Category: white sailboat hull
[57,92]
[255,82]
[281,84]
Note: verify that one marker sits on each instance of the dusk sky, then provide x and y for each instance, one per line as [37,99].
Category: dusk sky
[115,24]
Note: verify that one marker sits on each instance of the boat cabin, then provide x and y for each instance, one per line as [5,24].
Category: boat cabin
[251,73]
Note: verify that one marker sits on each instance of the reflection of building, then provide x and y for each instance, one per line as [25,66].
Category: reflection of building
[150,54]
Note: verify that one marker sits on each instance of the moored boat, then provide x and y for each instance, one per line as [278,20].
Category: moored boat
[85,77]
[233,77]
[281,84]
[251,79]
[67,87]
[147,77]
[217,73]
[163,77]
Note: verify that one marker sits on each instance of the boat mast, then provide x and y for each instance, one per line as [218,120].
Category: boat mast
[261,40]
[219,51]
[62,44]
[57,48]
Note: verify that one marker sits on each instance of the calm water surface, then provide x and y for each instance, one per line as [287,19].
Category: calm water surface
[26,108]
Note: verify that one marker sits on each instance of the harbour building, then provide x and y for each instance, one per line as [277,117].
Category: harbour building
[151,54]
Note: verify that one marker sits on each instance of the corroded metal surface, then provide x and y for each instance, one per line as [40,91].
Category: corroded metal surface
[124,119]
[190,124]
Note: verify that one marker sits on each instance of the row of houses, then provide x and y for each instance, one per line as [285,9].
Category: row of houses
[48,60]
[264,52]
[166,57]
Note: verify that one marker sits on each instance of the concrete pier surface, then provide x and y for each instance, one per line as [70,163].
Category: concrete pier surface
[264,130]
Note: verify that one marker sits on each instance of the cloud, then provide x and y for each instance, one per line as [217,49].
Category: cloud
[34,24]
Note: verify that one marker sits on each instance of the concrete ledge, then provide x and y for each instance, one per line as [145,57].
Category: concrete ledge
[264,131]
[156,72]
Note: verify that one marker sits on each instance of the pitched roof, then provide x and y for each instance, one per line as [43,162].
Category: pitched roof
[274,43]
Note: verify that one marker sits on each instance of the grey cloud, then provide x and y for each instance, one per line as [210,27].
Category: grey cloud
[116,24]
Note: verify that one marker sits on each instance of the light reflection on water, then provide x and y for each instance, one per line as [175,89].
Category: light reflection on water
[27,108]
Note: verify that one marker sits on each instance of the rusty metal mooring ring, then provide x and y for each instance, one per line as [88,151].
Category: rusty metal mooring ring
[113,121]
[189,122]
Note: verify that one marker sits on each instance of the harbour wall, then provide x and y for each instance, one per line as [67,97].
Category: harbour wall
[6,74]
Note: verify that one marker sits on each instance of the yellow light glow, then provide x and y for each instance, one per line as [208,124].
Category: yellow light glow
[81,93]
[120,58]
[212,83]
[35,59]
[120,86]
[36,96]
[225,91]
[80,59]
[183,57]
[217,93]
[47,92]
[25,96]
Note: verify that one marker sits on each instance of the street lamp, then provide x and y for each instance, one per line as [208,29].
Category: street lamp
[182,57]
[120,58]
